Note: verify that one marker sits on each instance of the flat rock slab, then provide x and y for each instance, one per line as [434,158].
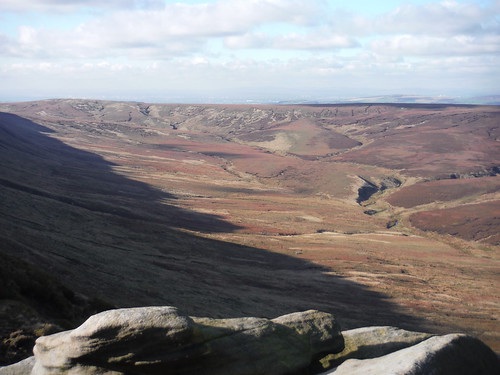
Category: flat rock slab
[158,340]
[453,354]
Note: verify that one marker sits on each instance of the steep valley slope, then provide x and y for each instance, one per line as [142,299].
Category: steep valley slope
[254,210]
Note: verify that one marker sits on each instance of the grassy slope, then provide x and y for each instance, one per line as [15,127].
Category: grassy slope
[167,216]
[105,235]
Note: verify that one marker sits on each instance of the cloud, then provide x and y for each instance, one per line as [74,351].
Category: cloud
[456,45]
[280,79]
[64,6]
[443,18]
[213,44]
[318,39]
[183,29]
[176,29]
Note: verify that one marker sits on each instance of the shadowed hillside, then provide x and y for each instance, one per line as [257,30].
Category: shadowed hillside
[230,210]
[103,235]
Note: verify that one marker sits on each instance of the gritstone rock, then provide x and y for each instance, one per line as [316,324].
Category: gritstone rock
[454,354]
[23,367]
[372,342]
[157,340]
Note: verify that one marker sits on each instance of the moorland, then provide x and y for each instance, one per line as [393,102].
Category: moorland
[382,214]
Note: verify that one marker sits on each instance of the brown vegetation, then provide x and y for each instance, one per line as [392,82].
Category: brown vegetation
[443,191]
[475,222]
[251,210]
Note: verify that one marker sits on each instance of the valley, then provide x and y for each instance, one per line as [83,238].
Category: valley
[382,214]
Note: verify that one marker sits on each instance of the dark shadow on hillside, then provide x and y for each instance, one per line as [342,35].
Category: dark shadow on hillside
[104,235]
[40,165]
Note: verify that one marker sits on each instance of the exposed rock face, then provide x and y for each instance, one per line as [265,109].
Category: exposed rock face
[389,182]
[454,354]
[369,188]
[372,342]
[158,340]
[20,368]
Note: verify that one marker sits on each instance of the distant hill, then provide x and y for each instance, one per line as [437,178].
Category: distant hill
[416,99]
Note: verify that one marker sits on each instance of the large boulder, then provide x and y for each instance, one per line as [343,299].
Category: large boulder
[454,354]
[158,340]
[372,342]
[20,368]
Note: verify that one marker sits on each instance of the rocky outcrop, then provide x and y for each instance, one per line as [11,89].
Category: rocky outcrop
[159,340]
[491,171]
[23,367]
[372,342]
[454,354]
[389,182]
[369,188]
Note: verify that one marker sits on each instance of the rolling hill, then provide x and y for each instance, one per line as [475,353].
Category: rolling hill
[232,210]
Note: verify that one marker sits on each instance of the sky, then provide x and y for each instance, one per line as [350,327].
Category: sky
[247,50]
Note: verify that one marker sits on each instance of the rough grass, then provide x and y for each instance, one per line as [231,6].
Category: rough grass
[475,222]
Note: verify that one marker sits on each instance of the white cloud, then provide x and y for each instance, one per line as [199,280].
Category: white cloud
[318,39]
[362,74]
[64,6]
[182,29]
[129,44]
[457,45]
[442,18]
[176,29]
